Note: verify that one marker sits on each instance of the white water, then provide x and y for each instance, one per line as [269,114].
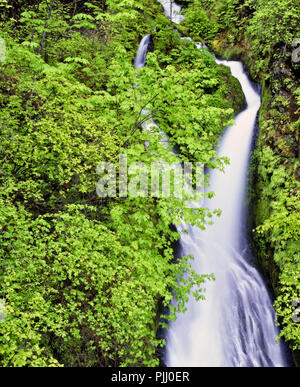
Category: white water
[235,325]
[172,10]
[140,57]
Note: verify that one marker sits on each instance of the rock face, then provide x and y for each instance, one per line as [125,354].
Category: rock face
[235,96]
[183,3]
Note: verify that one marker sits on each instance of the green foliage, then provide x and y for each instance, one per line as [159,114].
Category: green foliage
[267,34]
[84,279]
[259,30]
[198,25]
[195,98]
[189,105]
[277,213]
[289,292]
[77,289]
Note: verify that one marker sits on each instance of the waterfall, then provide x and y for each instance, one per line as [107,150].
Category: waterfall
[140,57]
[172,10]
[235,324]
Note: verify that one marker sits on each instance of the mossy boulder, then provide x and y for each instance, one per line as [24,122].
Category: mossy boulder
[234,94]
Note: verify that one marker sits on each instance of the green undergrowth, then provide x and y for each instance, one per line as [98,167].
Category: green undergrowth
[82,277]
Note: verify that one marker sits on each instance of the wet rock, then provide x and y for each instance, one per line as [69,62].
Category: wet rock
[297,173]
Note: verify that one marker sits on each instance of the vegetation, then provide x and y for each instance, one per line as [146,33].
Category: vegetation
[84,279]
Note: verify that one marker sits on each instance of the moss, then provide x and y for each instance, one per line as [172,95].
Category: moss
[266,101]
[234,51]
[234,94]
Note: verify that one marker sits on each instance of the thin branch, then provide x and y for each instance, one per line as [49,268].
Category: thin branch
[45,28]
[75,8]
[137,125]
[143,107]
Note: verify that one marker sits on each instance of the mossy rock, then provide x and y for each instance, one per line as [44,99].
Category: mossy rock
[234,94]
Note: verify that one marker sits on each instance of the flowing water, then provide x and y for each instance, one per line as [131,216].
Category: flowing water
[140,58]
[172,10]
[234,325]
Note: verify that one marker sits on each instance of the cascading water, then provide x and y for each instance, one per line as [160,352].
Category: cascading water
[140,57]
[172,10]
[235,325]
